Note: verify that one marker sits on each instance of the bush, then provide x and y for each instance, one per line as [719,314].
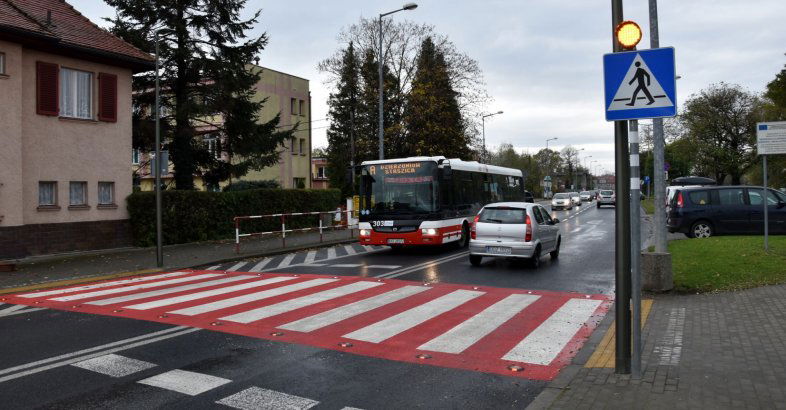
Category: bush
[191,216]
[246,185]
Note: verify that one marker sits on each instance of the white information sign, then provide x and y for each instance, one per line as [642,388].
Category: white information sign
[771,137]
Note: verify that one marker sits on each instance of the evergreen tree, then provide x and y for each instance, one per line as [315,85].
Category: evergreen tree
[343,111]
[207,81]
[433,120]
[368,110]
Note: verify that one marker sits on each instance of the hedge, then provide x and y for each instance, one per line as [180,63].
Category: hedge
[191,216]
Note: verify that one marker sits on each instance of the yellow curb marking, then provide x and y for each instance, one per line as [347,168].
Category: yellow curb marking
[604,353]
[68,282]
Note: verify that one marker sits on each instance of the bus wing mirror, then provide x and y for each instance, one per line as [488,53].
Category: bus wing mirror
[447,171]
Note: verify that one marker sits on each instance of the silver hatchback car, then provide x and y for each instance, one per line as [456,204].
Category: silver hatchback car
[514,230]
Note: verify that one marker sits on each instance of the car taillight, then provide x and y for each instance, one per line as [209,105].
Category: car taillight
[680,203]
[473,233]
[528,235]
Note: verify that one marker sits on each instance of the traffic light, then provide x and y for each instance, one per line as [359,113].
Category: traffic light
[628,34]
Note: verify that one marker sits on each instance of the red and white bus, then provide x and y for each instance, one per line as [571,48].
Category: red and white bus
[429,200]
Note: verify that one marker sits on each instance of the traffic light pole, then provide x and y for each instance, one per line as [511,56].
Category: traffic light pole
[621,227]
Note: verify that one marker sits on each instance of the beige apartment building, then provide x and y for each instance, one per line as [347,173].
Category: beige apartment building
[286,94]
[65,93]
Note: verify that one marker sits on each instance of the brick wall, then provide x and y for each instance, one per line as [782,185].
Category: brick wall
[41,239]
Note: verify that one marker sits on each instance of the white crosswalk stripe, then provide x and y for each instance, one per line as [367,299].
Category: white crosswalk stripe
[257,398]
[368,248]
[350,250]
[286,261]
[297,303]
[543,344]
[143,295]
[12,309]
[310,257]
[236,266]
[135,287]
[346,265]
[114,365]
[394,325]
[331,254]
[383,266]
[338,314]
[208,293]
[214,267]
[182,381]
[101,285]
[261,265]
[467,333]
[225,303]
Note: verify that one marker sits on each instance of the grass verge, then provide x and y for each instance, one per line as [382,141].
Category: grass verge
[726,263]
[649,205]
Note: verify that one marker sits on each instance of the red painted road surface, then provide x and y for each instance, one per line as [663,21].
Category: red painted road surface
[515,332]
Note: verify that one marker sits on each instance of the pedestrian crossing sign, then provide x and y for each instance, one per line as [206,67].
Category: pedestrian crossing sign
[640,84]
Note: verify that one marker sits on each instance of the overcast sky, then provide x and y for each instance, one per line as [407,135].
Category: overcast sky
[542,60]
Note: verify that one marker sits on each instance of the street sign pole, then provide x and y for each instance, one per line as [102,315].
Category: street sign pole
[622,226]
[159,218]
[658,151]
[766,208]
[770,139]
[635,246]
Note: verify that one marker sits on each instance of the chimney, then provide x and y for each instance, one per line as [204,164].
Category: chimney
[49,18]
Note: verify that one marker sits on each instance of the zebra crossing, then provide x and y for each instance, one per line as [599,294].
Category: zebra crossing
[523,333]
[315,258]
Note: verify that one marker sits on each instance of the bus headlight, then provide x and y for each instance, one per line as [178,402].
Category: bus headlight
[428,231]
[365,232]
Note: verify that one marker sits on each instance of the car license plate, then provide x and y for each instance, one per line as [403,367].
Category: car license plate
[498,250]
[395,241]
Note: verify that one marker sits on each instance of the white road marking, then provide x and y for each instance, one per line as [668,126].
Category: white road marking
[214,267]
[21,312]
[346,265]
[310,256]
[340,313]
[251,297]
[152,293]
[69,358]
[368,248]
[287,260]
[261,265]
[236,266]
[396,324]
[11,309]
[182,381]
[545,342]
[314,264]
[101,285]
[256,398]
[467,333]
[301,302]
[415,268]
[331,253]
[350,250]
[135,287]
[114,365]
[383,266]
[208,293]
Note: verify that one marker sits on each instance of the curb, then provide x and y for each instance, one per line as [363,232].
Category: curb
[142,272]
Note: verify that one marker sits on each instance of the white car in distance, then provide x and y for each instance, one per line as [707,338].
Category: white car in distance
[514,230]
[561,201]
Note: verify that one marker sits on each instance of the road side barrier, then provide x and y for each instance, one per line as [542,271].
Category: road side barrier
[341,219]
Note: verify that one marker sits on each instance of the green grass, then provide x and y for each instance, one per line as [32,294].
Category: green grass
[726,263]
[649,205]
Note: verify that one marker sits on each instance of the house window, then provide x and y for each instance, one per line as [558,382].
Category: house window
[77,193]
[302,145]
[321,172]
[106,193]
[293,146]
[302,110]
[299,183]
[2,63]
[213,145]
[76,94]
[47,193]
[135,156]
[293,106]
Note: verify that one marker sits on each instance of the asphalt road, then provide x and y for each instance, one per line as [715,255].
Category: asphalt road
[52,358]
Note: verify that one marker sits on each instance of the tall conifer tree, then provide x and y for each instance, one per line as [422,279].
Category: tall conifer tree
[343,113]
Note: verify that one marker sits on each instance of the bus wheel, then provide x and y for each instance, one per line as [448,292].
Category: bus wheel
[464,241]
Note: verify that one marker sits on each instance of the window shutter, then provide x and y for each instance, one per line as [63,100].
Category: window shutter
[107,97]
[47,89]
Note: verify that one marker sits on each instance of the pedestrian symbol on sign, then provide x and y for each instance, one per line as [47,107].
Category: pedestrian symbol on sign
[638,80]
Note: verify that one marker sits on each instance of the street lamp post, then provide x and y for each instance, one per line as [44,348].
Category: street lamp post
[547,142]
[585,167]
[483,126]
[548,166]
[159,229]
[408,6]
[576,171]
[592,185]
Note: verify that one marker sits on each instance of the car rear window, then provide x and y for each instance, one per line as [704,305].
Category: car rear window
[699,197]
[730,196]
[503,215]
[607,193]
[561,196]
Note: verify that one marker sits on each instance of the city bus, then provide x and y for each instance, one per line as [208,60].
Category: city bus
[429,200]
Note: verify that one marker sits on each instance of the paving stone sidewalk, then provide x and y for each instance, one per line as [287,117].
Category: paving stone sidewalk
[709,351]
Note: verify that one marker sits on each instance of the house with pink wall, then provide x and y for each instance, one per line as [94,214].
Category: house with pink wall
[65,93]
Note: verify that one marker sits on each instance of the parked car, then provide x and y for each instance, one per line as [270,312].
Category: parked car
[514,230]
[575,198]
[586,196]
[606,197]
[701,212]
[561,201]
[528,197]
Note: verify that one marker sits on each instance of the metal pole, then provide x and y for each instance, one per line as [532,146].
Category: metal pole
[622,228]
[658,150]
[381,87]
[635,246]
[352,146]
[766,210]
[159,218]
[483,126]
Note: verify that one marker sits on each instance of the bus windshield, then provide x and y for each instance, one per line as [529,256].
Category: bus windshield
[395,188]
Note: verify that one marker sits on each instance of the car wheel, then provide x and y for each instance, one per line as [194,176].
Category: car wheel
[555,253]
[598,205]
[475,260]
[701,229]
[534,262]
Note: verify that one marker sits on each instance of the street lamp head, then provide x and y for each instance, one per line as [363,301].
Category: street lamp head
[499,112]
[410,6]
